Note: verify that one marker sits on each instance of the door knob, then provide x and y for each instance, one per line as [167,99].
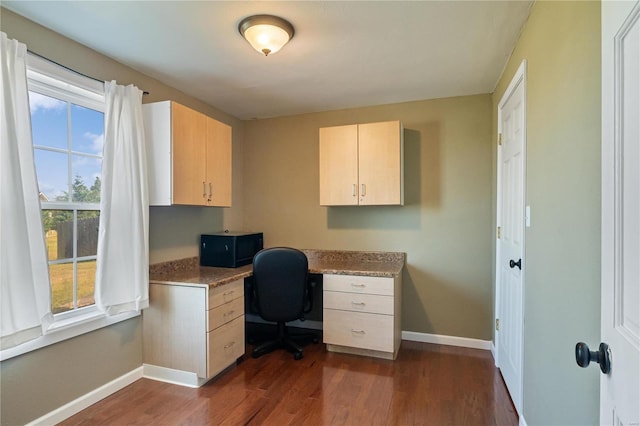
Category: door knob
[603,356]
[513,264]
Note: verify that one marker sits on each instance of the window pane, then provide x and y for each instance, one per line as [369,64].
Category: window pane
[61,287]
[87,130]
[86,178]
[88,221]
[52,169]
[86,282]
[58,232]
[48,121]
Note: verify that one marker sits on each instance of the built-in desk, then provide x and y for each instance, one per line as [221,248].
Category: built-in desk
[194,327]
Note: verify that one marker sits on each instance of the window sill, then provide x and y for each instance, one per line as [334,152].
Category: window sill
[67,329]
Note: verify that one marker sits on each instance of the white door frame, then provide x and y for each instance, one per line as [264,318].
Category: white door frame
[520,76]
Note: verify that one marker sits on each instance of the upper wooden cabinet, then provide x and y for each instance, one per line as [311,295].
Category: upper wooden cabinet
[188,156]
[362,164]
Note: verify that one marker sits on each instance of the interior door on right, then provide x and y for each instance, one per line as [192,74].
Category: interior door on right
[511,239]
[620,310]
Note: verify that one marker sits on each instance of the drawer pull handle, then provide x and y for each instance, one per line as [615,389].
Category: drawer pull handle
[358,285]
[357,331]
[228,293]
[226,314]
[228,345]
[358,303]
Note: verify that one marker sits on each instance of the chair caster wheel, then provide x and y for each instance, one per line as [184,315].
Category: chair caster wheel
[297,356]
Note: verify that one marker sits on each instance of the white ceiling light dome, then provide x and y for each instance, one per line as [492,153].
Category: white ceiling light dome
[266,33]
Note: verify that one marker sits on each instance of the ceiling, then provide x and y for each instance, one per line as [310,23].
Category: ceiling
[344,53]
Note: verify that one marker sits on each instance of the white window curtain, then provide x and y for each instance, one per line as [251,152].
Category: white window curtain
[25,299]
[122,275]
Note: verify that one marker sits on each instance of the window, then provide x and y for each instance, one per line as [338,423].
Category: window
[67,121]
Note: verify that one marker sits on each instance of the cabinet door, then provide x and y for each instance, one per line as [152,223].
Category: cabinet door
[174,328]
[189,134]
[380,151]
[225,345]
[339,166]
[218,164]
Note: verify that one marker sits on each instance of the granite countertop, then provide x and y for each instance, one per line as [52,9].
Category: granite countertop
[367,263]
[189,272]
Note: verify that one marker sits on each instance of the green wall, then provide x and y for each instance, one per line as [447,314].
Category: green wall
[41,381]
[561,43]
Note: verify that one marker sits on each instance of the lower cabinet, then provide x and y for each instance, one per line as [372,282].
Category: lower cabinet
[192,332]
[361,315]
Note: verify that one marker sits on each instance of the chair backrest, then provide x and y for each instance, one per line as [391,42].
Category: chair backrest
[280,275]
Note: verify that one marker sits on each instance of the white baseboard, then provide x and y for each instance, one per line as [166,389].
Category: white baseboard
[79,404]
[521,421]
[170,375]
[464,342]
[493,353]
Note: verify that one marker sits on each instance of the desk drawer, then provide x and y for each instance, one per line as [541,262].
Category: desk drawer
[226,344]
[225,293]
[358,284]
[358,330]
[371,303]
[224,313]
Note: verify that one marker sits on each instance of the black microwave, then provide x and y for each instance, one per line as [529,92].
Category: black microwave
[229,249]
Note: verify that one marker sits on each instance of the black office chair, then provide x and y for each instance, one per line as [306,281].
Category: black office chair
[281,292]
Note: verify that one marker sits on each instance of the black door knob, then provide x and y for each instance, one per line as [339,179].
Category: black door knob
[603,356]
[513,264]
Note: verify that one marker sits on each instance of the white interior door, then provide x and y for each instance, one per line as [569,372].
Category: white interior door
[510,243]
[620,389]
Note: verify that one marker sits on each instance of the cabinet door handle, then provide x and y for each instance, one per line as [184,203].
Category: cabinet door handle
[228,345]
[358,303]
[355,190]
[210,190]
[357,285]
[204,190]
[226,314]
[357,331]
[363,189]
[228,293]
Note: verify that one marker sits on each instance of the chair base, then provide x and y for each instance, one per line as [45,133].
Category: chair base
[283,340]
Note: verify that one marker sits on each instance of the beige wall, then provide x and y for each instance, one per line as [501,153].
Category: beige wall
[444,227]
[561,43]
[38,382]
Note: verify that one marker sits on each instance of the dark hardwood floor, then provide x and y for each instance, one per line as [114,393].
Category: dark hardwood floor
[427,385]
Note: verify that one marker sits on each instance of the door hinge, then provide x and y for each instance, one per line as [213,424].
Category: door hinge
[499,232]
[497,324]
[500,139]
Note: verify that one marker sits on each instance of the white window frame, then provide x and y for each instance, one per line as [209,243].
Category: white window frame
[51,79]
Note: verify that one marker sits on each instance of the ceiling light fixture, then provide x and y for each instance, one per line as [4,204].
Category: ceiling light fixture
[266,33]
